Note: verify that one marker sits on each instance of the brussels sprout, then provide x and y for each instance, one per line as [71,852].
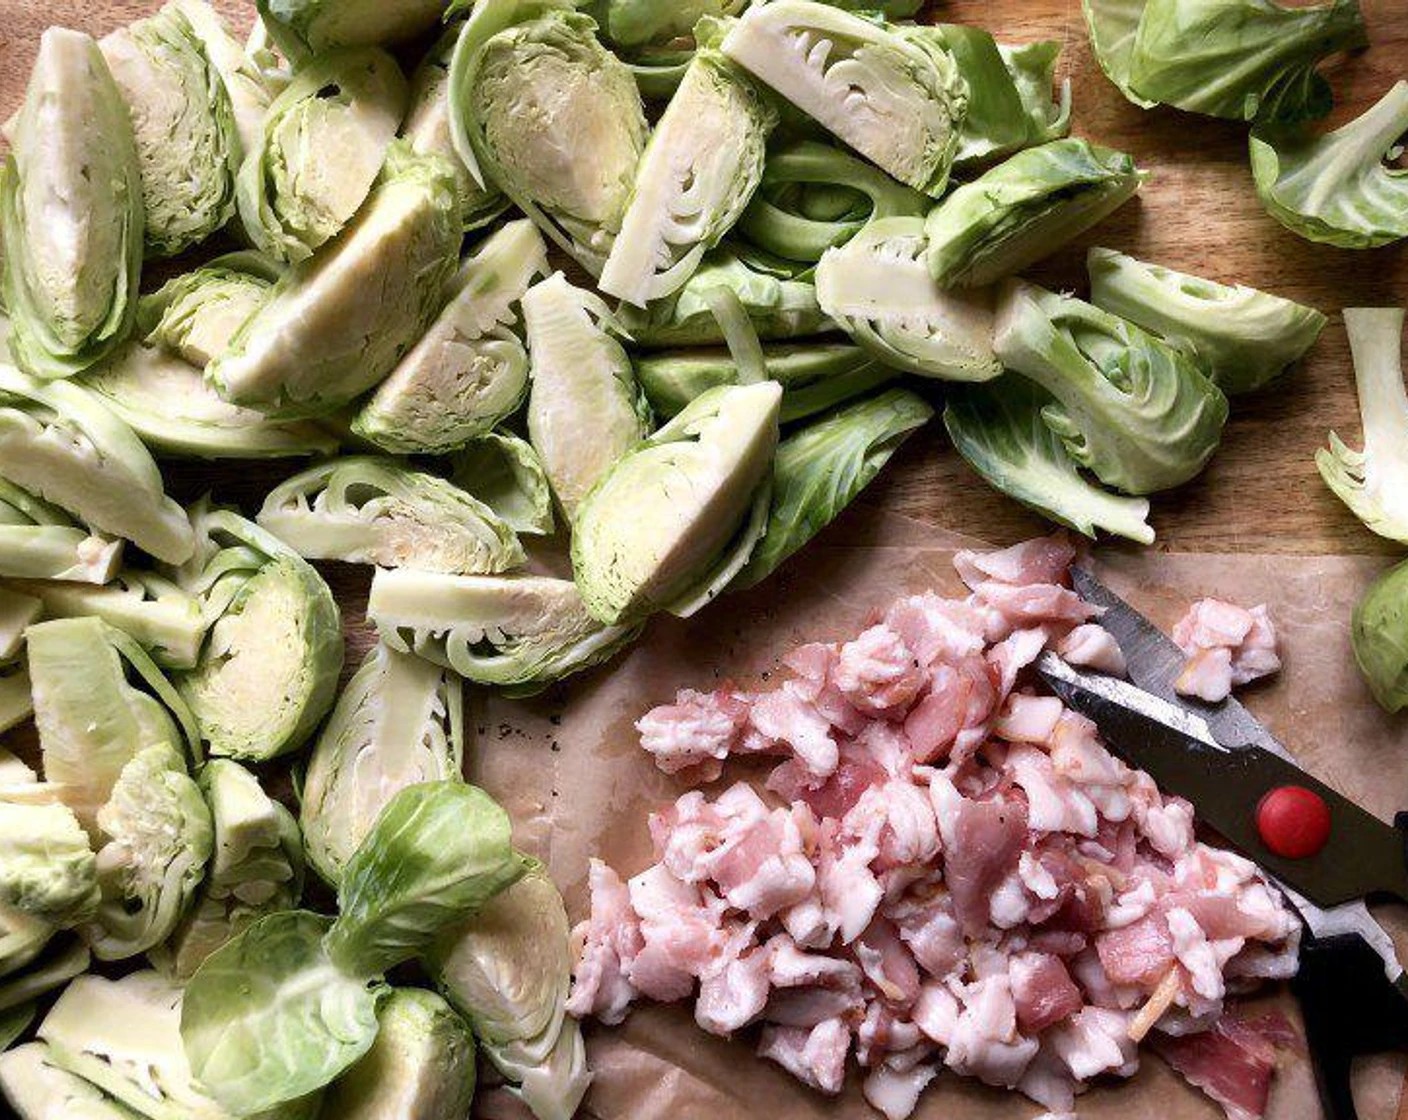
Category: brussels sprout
[338,323]
[521,633]
[268,672]
[365,510]
[822,468]
[39,1090]
[302,27]
[1129,407]
[669,525]
[1379,630]
[505,473]
[1339,188]
[892,93]
[71,215]
[187,147]
[470,371]
[17,612]
[1241,337]
[1373,482]
[47,869]
[541,109]
[1025,209]
[246,86]
[878,289]
[399,722]
[998,428]
[324,139]
[421,1065]
[40,541]
[197,314]
[1113,25]
[1241,59]
[1010,106]
[584,409]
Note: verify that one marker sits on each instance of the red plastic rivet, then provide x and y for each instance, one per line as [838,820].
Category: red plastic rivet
[1294,822]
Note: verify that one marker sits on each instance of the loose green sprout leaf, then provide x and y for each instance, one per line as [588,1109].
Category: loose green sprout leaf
[505,473]
[48,964]
[323,142]
[13,1023]
[17,612]
[998,428]
[1129,407]
[399,722]
[1339,188]
[302,27]
[16,703]
[470,370]
[1033,70]
[1240,336]
[246,86]
[39,1090]
[640,25]
[892,93]
[48,872]
[1010,105]
[197,314]
[1113,25]
[71,215]
[40,541]
[1025,209]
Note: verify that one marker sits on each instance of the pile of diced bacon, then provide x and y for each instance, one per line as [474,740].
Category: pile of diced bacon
[1227,646]
[946,869]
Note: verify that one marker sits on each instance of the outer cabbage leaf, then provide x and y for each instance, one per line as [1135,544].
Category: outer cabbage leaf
[39,1090]
[505,473]
[1113,25]
[41,541]
[1378,630]
[313,26]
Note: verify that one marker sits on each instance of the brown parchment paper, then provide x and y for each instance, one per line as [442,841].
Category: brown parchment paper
[569,768]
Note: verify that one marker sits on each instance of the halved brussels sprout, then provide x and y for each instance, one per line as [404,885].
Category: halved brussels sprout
[71,214]
[673,521]
[399,722]
[1113,25]
[893,93]
[542,110]
[323,142]
[998,428]
[470,370]
[197,314]
[338,323]
[1378,627]
[1129,407]
[1240,336]
[39,1090]
[246,86]
[187,146]
[48,872]
[40,541]
[17,612]
[302,27]
[878,289]
[584,409]
[1339,188]
[1025,209]
[365,510]
[521,633]
[505,473]
[59,442]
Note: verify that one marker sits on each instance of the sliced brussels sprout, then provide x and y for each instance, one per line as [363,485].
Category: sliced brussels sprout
[584,408]
[16,703]
[399,722]
[366,510]
[542,110]
[71,214]
[1378,631]
[48,872]
[197,314]
[46,963]
[1113,25]
[470,370]
[1129,407]
[338,323]
[13,1023]
[302,27]
[187,146]
[878,289]
[893,93]
[421,1065]
[248,89]
[41,541]
[23,938]
[268,671]
[58,441]
[505,473]
[822,467]
[1340,188]
[521,633]
[998,428]
[324,140]
[1025,209]
[38,1089]
[17,612]
[1242,59]
[671,523]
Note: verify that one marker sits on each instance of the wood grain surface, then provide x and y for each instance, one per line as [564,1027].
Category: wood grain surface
[1198,213]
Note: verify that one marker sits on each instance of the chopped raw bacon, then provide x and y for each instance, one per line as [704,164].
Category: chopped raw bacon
[1227,646]
[1094,647]
[1233,1062]
[1043,560]
[816,1056]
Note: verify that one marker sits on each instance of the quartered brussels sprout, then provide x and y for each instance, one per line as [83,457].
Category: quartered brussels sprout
[398,723]
[187,146]
[1340,188]
[1379,629]
[505,473]
[1241,337]
[246,86]
[59,442]
[17,612]
[520,633]
[313,26]
[365,510]
[878,289]
[822,467]
[48,873]
[1113,25]
[323,142]
[41,541]
[38,1089]
[893,93]
[470,370]
[674,521]
[1129,407]
[421,1065]
[584,408]
[196,315]
[71,214]
[542,110]
[999,429]
[1025,209]
[338,323]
